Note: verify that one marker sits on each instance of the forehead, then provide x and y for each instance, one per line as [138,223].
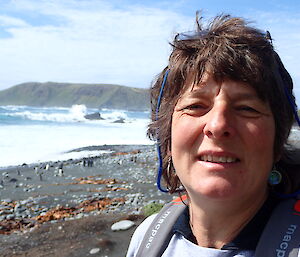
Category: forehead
[209,86]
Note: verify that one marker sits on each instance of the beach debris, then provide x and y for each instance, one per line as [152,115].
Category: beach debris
[57,213]
[125,153]
[94,250]
[96,181]
[13,214]
[9,226]
[61,212]
[122,225]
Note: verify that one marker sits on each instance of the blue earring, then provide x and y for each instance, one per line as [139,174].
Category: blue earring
[275,177]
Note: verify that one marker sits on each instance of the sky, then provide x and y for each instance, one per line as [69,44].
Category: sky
[123,42]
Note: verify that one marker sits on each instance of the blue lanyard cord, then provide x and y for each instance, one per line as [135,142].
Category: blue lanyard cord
[161,94]
[160,162]
[160,170]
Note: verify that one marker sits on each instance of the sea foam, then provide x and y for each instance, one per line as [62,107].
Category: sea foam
[47,134]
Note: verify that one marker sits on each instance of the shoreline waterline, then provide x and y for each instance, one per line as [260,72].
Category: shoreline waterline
[79,154]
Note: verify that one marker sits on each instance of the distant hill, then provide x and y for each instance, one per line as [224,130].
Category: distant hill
[67,94]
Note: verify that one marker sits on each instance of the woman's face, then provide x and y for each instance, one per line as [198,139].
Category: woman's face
[222,140]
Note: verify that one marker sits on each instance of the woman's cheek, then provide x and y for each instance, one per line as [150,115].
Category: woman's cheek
[183,130]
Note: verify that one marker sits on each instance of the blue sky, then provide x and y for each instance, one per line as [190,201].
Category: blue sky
[121,41]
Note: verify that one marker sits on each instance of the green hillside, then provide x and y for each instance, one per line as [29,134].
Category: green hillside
[67,94]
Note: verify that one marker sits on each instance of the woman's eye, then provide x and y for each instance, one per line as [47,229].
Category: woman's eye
[248,110]
[195,107]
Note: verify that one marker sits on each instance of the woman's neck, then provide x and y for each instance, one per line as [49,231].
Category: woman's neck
[215,226]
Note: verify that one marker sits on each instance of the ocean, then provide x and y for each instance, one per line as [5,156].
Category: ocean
[38,134]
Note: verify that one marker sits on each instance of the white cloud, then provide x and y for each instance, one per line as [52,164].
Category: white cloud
[101,45]
[11,21]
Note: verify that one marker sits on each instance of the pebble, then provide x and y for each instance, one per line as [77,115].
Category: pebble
[122,225]
[10,216]
[94,250]
[79,216]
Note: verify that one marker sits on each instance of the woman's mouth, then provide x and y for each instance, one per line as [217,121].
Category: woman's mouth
[218,159]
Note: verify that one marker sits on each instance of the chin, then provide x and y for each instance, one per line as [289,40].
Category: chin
[220,189]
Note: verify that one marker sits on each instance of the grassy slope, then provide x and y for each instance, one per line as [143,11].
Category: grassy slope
[67,94]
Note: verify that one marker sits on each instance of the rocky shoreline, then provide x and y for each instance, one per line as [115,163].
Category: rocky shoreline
[100,191]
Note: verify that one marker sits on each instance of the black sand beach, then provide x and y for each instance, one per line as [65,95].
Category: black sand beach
[67,208]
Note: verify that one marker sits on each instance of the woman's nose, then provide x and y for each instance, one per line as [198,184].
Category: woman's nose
[219,123]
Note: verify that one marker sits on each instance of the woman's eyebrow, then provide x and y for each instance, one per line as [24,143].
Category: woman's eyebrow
[198,92]
[245,96]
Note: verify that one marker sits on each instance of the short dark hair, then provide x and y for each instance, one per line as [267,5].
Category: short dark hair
[229,48]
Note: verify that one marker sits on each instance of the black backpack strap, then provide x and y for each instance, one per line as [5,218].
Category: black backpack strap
[159,234]
[281,236]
